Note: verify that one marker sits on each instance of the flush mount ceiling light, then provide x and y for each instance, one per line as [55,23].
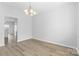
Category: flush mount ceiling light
[30,11]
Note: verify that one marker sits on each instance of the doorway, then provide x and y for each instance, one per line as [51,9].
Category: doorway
[10,32]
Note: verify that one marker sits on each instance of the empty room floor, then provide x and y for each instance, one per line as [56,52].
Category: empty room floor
[33,47]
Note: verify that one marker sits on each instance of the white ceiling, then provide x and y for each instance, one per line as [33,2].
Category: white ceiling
[38,6]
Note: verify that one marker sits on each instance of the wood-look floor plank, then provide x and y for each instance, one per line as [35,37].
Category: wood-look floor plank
[34,47]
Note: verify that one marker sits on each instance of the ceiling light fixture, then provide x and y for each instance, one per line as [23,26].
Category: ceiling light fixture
[30,11]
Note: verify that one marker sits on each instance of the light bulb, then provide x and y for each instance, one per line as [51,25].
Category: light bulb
[30,12]
[26,10]
[34,13]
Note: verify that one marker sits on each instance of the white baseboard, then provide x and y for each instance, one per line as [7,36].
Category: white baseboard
[53,42]
[77,49]
[2,43]
[23,39]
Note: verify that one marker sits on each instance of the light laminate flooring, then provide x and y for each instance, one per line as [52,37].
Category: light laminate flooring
[33,47]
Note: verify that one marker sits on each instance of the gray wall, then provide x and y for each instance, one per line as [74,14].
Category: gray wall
[24,22]
[78,25]
[58,25]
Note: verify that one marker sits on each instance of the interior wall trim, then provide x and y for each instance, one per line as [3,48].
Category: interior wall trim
[54,43]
